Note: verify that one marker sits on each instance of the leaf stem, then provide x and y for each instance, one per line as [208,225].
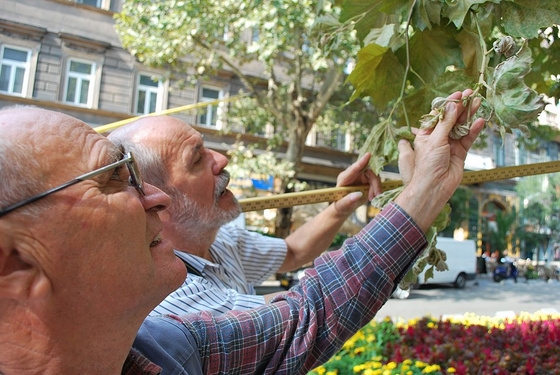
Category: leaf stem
[407,68]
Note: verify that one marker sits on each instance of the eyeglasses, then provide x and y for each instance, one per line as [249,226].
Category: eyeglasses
[134,180]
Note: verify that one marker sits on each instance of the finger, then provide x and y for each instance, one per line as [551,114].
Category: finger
[406,161]
[350,174]
[468,140]
[350,202]
[362,162]
[457,95]
[374,184]
[444,126]
[465,112]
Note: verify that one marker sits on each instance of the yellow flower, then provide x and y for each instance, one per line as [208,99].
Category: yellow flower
[431,368]
[391,365]
[420,364]
[320,370]
[451,369]
[335,372]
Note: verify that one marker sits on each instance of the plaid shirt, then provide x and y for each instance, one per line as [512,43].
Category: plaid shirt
[304,327]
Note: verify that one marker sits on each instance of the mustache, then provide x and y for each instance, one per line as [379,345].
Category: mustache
[221,184]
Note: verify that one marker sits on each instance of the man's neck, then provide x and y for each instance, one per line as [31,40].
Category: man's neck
[199,246]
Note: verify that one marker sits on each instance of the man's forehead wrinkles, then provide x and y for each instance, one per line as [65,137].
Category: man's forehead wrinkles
[103,153]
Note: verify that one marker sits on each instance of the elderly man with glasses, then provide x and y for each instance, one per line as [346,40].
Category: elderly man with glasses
[83,263]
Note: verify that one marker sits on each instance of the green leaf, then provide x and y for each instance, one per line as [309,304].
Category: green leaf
[443,218]
[371,14]
[432,51]
[524,18]
[514,103]
[378,74]
[419,103]
[457,10]
[429,274]
[471,52]
[427,12]
[383,36]
[382,144]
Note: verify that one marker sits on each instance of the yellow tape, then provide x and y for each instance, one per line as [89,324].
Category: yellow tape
[333,194]
[114,125]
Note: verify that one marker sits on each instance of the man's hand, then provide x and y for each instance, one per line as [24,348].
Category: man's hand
[434,169]
[315,236]
[357,174]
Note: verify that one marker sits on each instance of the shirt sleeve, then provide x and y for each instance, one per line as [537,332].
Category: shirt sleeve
[197,294]
[304,327]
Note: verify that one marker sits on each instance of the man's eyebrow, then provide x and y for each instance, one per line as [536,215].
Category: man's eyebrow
[115,154]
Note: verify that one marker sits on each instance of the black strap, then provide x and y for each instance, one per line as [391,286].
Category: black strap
[191,269]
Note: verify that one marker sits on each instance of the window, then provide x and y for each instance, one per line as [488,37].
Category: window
[255,34]
[14,70]
[499,151]
[93,3]
[335,139]
[148,95]
[79,83]
[209,116]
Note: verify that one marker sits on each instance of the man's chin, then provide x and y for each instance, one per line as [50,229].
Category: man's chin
[229,208]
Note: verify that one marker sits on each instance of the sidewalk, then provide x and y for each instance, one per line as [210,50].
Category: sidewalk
[481,297]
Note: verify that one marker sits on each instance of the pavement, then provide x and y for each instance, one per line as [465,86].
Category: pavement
[482,297]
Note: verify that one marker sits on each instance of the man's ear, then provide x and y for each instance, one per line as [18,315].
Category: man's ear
[18,278]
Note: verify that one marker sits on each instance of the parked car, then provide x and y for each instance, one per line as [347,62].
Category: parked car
[461,263]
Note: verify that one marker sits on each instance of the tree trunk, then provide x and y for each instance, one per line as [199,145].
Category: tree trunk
[296,144]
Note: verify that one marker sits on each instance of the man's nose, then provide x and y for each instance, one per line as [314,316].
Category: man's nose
[220,162]
[155,199]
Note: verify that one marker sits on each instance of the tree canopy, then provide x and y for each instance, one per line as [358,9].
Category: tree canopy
[278,50]
[292,56]
[413,51]
[539,214]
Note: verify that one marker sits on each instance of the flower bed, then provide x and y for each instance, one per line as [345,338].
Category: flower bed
[470,344]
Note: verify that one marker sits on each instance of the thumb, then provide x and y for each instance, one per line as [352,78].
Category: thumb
[347,205]
[406,161]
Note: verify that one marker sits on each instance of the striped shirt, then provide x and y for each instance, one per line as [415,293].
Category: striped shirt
[242,259]
[300,329]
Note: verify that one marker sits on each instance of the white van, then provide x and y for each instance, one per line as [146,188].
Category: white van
[461,261]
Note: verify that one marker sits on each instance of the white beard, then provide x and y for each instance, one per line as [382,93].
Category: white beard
[192,220]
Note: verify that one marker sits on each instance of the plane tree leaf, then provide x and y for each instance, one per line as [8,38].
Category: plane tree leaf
[524,18]
[515,104]
[428,13]
[457,10]
[378,74]
[368,14]
[432,51]
[418,103]
[382,142]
